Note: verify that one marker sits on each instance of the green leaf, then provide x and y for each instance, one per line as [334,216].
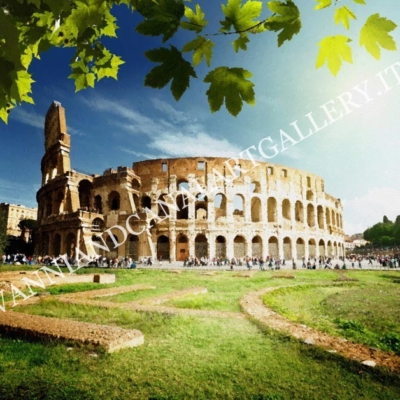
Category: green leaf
[202,47]
[334,49]
[82,75]
[322,4]
[230,85]
[343,15]
[240,42]
[196,20]
[173,67]
[163,17]
[360,1]
[286,19]
[241,17]
[375,33]
[108,68]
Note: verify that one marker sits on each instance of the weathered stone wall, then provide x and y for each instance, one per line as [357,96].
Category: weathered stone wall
[175,208]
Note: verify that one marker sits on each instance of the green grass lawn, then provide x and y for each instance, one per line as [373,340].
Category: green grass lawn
[366,311]
[187,357]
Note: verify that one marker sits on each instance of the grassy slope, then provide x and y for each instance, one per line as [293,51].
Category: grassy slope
[186,357]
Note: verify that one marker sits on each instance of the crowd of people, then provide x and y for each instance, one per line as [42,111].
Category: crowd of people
[351,261]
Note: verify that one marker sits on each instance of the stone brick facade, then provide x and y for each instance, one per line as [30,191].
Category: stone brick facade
[175,208]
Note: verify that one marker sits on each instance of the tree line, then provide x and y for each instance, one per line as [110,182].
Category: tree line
[385,233]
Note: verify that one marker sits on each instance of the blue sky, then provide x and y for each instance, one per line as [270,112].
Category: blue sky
[120,122]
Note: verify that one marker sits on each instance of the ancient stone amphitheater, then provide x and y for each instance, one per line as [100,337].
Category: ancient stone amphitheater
[175,208]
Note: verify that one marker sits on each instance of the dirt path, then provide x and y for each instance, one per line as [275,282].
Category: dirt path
[254,307]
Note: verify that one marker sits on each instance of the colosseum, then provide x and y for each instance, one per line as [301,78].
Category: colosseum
[171,209]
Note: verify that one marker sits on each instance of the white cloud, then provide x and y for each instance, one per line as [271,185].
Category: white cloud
[365,211]
[36,120]
[171,112]
[140,154]
[200,144]
[28,118]
[183,136]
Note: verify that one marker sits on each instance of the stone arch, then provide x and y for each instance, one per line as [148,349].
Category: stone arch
[321,245]
[238,205]
[312,248]
[98,225]
[56,245]
[320,217]
[48,207]
[70,241]
[328,217]
[300,248]
[256,209]
[114,200]
[286,209]
[135,184]
[201,207]
[333,218]
[182,203]
[310,195]
[59,203]
[299,212]
[220,206]
[133,247]
[255,187]
[46,244]
[201,246]
[273,247]
[163,247]
[146,202]
[163,210]
[113,250]
[272,210]
[310,215]
[256,246]
[220,247]
[239,246]
[329,249]
[182,184]
[287,248]
[85,189]
[136,202]
[98,204]
[335,250]
[182,247]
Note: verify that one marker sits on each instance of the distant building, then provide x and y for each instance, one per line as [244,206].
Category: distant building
[15,213]
[357,236]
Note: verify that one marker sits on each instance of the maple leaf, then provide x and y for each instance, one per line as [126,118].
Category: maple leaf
[173,67]
[240,42]
[196,19]
[241,17]
[230,85]
[286,19]
[334,49]
[322,4]
[343,15]
[163,17]
[375,34]
[201,47]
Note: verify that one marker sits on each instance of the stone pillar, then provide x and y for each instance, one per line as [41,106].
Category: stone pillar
[211,246]
[280,246]
[191,239]
[172,243]
[229,246]
[306,250]
[247,209]
[294,249]
[293,213]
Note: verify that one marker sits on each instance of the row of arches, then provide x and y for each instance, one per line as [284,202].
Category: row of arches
[294,212]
